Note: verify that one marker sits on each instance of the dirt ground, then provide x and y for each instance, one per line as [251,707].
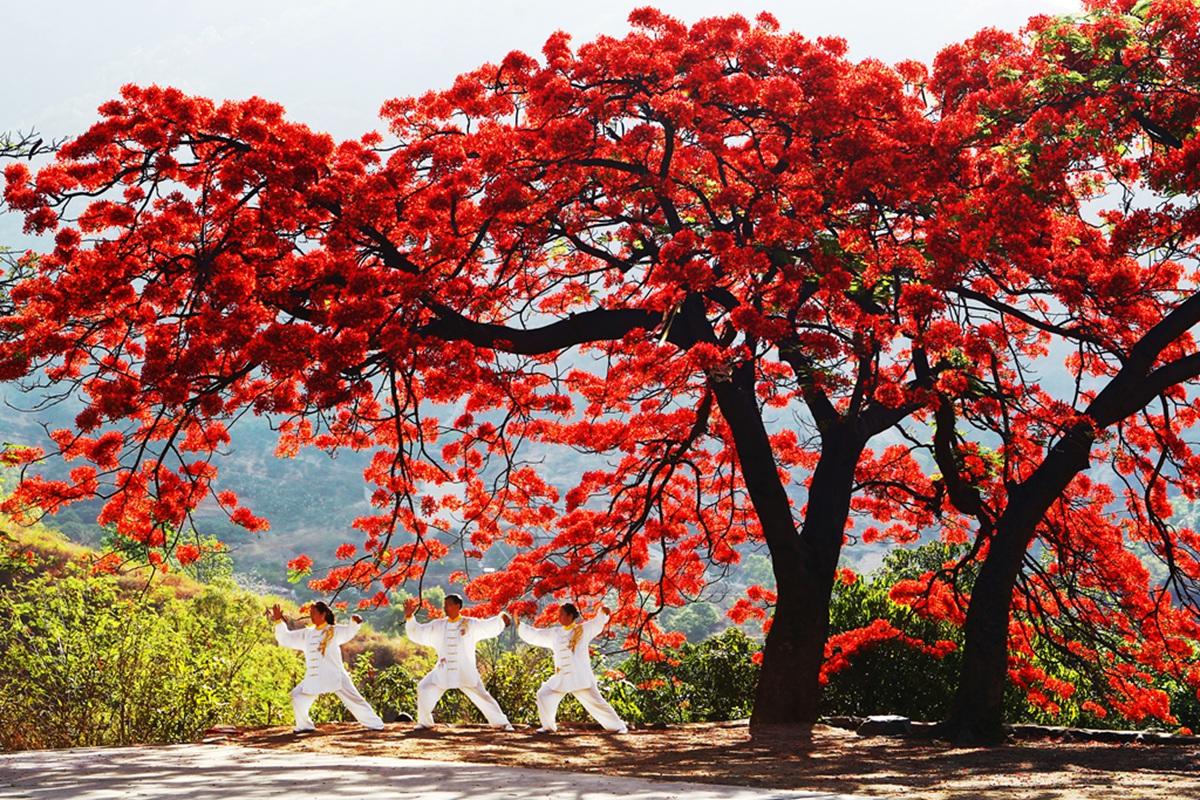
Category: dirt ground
[831,760]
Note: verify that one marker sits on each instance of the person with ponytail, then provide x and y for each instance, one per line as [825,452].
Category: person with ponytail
[569,642]
[324,671]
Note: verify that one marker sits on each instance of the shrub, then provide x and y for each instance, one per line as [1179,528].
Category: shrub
[85,665]
[918,685]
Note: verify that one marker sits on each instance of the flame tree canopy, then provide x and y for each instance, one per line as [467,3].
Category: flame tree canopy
[1102,109]
[719,258]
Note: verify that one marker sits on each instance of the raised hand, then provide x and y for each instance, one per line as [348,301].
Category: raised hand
[606,611]
[276,613]
[356,618]
[507,619]
[410,607]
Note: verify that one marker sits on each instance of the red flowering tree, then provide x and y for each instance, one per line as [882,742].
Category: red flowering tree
[1099,116]
[12,266]
[648,249]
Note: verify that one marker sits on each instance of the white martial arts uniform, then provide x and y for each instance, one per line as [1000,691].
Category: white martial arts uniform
[455,644]
[324,673]
[572,672]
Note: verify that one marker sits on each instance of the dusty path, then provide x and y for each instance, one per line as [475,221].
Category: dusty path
[833,760]
[223,772]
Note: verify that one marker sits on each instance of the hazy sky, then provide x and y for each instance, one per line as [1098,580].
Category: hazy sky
[333,63]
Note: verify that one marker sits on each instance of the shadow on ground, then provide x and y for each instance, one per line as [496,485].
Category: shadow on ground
[217,772]
[829,760]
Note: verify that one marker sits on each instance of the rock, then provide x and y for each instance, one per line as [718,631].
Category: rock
[885,725]
[1116,737]
[1155,737]
[1026,731]
[848,723]
[925,730]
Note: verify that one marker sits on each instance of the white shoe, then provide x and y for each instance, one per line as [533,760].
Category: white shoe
[622,730]
[546,730]
[373,727]
[420,727]
[509,728]
[304,730]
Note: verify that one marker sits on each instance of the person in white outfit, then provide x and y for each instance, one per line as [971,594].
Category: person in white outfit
[569,642]
[454,638]
[321,644]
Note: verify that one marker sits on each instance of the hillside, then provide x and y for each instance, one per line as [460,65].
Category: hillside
[51,555]
[311,500]
[141,656]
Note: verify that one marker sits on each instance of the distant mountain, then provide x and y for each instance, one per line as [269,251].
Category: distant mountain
[310,500]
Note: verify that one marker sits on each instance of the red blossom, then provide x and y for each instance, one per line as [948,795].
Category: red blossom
[187,554]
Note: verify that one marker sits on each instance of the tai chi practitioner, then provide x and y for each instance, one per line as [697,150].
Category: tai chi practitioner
[321,644]
[454,637]
[569,642]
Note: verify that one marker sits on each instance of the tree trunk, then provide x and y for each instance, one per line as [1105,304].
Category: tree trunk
[804,561]
[789,687]
[977,716]
[978,712]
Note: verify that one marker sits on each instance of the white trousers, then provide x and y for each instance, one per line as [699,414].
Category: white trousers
[351,699]
[591,700]
[429,692]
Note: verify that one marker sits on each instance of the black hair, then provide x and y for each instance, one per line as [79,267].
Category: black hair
[326,610]
[570,609]
[455,598]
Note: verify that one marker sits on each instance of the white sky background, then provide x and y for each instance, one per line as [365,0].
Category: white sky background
[332,63]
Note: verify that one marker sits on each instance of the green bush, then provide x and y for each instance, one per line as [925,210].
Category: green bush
[719,676]
[917,684]
[513,678]
[709,681]
[85,665]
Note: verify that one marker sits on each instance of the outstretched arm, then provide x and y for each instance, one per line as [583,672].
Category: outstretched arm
[593,627]
[346,631]
[288,638]
[284,635]
[418,633]
[538,637]
[487,627]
